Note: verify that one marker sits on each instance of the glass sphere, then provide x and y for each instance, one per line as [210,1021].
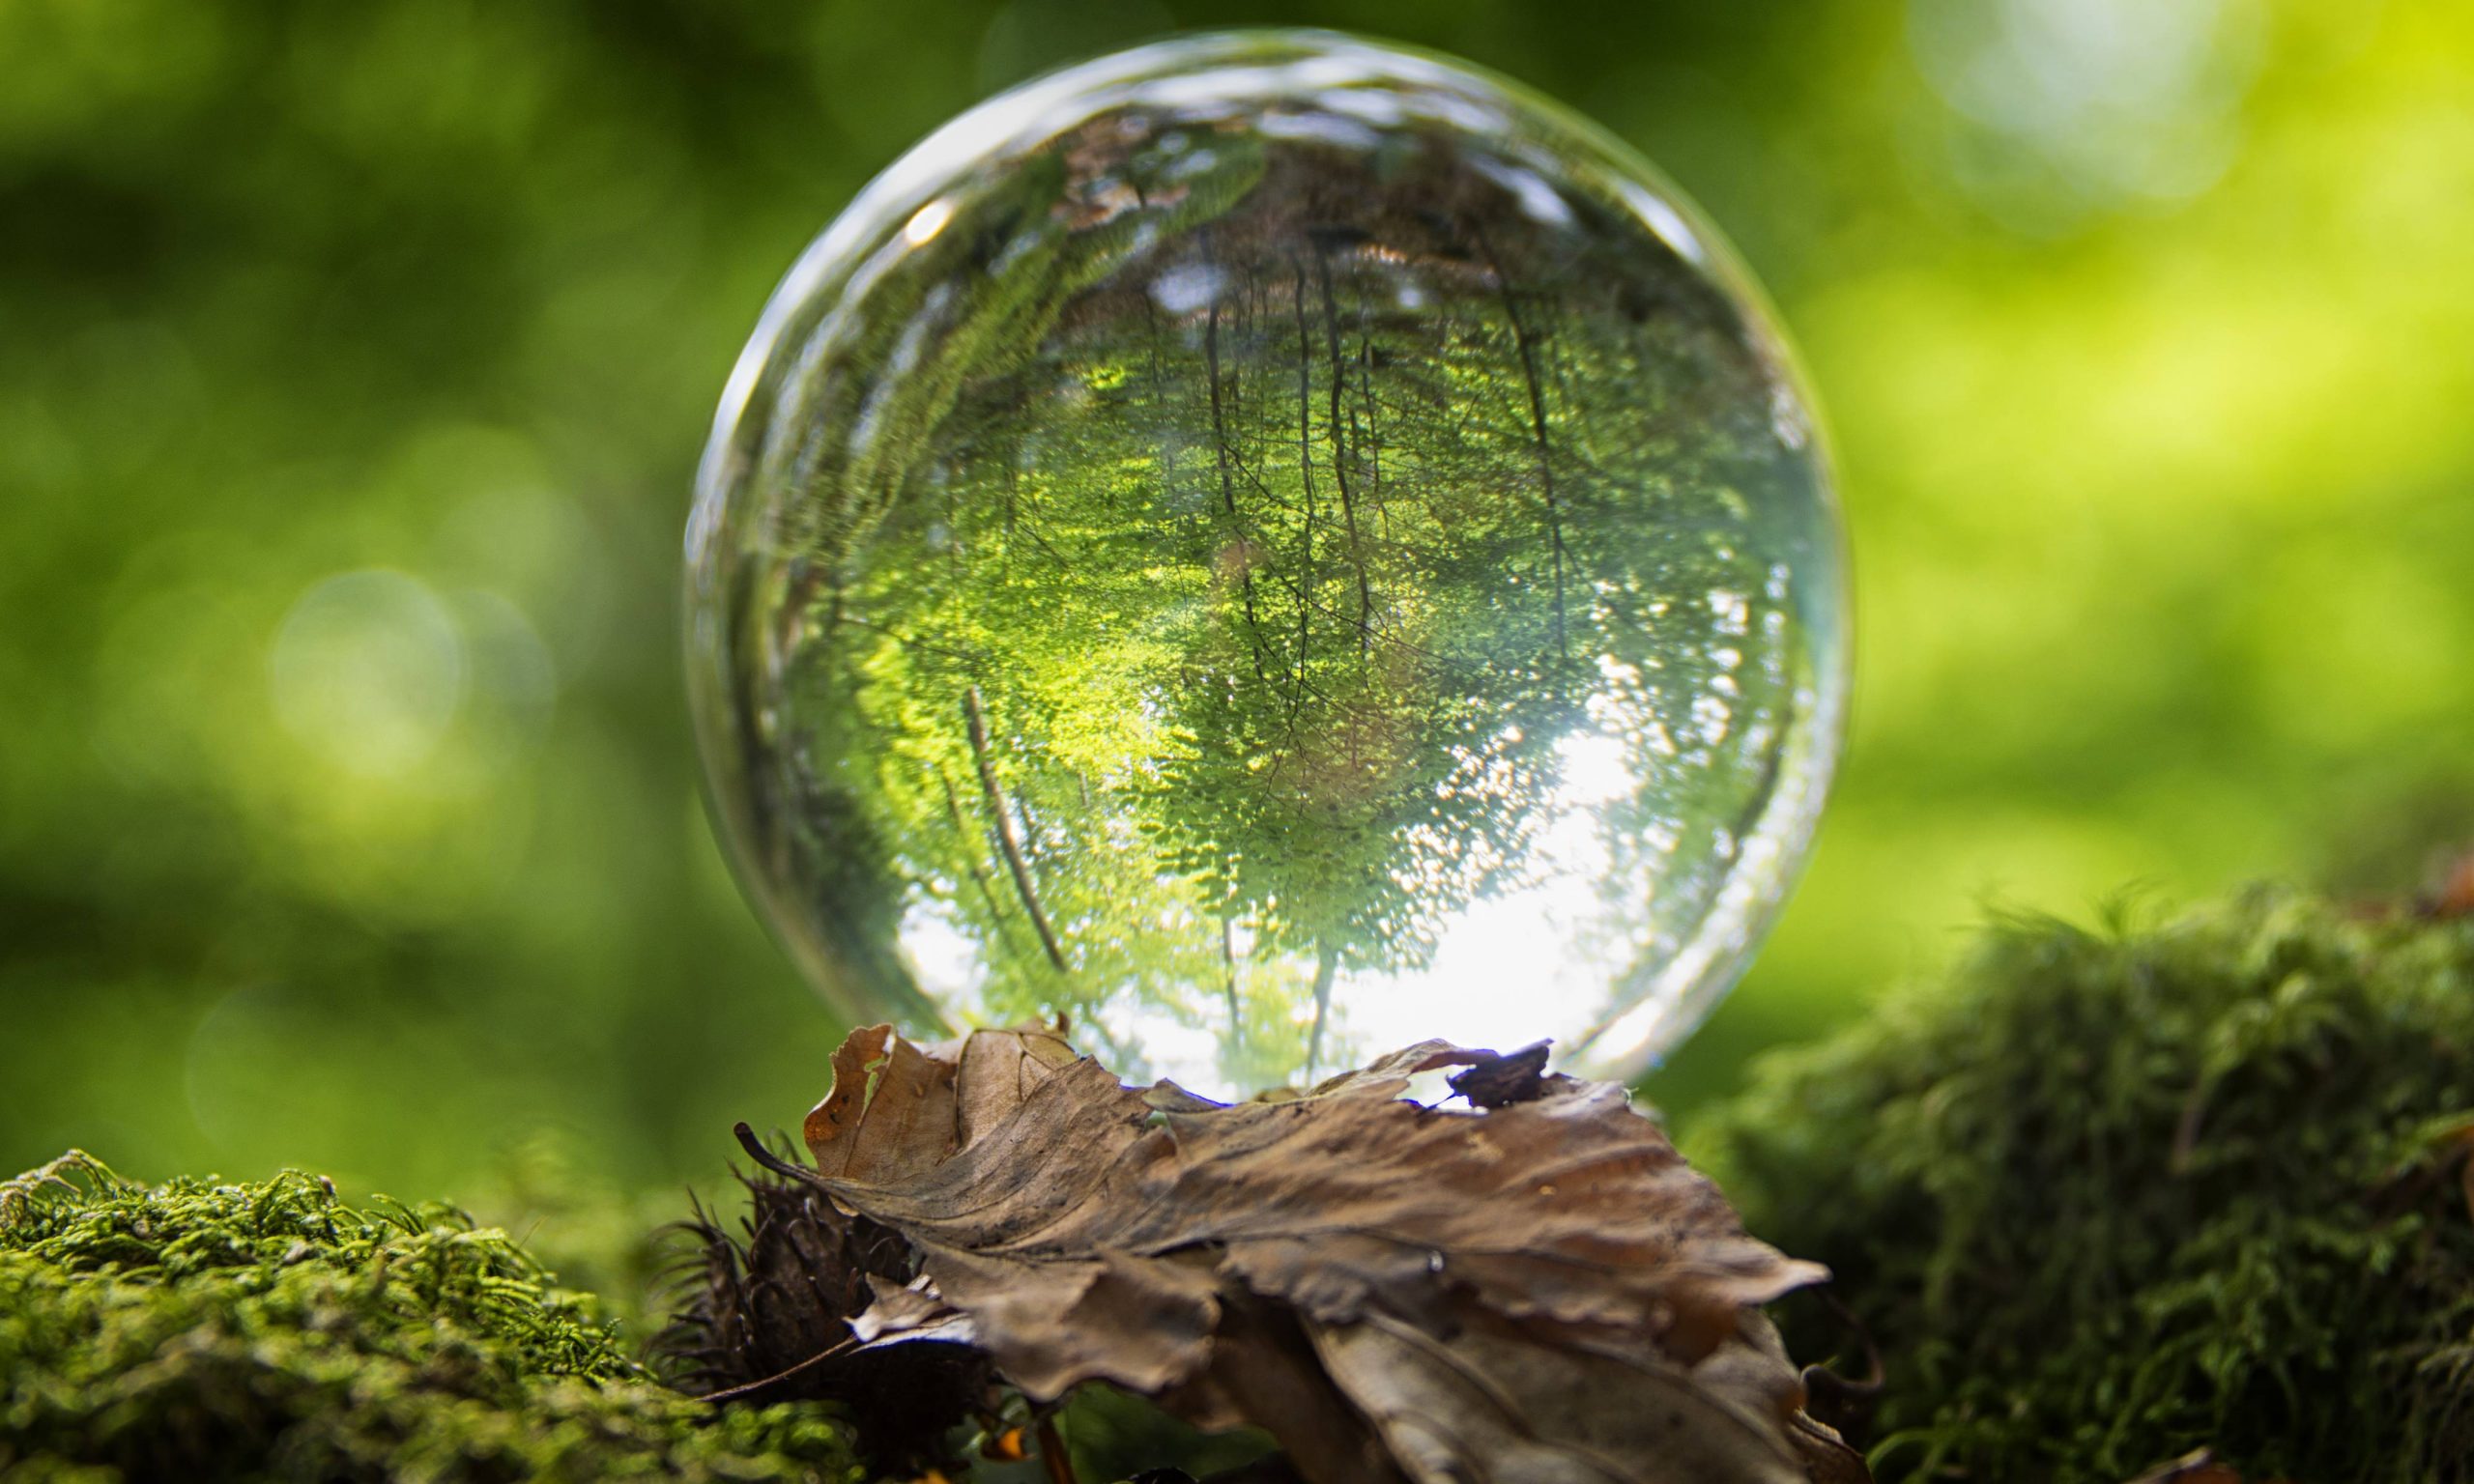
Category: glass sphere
[1271,546]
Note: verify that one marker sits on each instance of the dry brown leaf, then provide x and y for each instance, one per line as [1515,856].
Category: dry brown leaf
[892,1110]
[1540,1290]
[1493,1405]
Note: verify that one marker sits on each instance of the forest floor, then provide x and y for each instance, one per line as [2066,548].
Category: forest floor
[2185,1188]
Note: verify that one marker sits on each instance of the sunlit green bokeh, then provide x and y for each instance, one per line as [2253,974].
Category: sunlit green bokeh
[357,358]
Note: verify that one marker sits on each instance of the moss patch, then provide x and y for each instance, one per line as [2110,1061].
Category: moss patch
[228,1332]
[2106,1196]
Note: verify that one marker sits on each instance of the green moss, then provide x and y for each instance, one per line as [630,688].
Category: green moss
[267,1331]
[2107,1196]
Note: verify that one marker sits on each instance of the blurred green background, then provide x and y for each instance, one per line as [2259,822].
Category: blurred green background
[354,359]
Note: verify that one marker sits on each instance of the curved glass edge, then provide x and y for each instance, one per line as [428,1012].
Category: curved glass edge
[1706,966]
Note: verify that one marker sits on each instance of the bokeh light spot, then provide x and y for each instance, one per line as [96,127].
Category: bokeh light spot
[369,672]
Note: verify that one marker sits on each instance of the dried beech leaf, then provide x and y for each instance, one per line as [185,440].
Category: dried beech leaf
[997,1070]
[1263,1371]
[1157,1315]
[1396,1291]
[1492,1405]
[1165,1097]
[1389,1076]
[1569,1209]
[891,1113]
[899,1308]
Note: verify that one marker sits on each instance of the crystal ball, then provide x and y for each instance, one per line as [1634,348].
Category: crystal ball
[1269,547]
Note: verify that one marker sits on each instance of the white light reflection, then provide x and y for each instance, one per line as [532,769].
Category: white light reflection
[926,221]
[1532,957]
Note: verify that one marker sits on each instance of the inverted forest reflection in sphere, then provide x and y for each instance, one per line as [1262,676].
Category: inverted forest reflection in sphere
[1272,546]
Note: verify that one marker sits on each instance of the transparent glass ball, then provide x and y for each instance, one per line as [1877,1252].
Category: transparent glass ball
[1270,547]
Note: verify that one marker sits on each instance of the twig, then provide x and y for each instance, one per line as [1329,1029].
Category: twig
[1052,1454]
[1005,837]
[750,1389]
